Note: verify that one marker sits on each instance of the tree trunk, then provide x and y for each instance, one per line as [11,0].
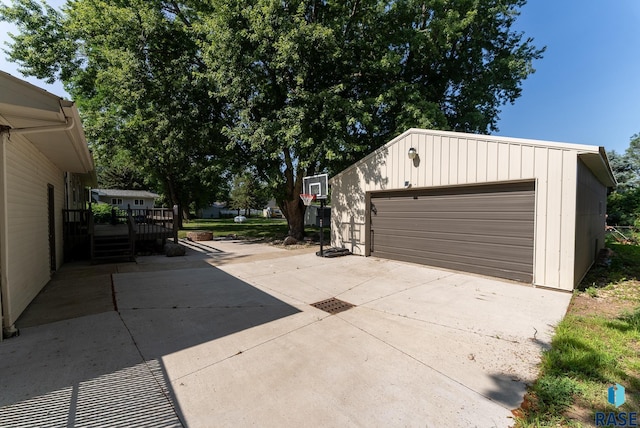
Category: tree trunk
[292,206]
[174,200]
[294,213]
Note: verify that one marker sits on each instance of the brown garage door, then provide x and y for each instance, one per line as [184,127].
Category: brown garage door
[485,229]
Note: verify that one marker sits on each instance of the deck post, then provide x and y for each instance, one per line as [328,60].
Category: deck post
[175,224]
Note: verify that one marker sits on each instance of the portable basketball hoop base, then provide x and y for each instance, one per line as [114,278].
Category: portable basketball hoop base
[307,198]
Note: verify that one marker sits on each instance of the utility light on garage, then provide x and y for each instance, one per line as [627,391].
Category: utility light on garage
[412,153]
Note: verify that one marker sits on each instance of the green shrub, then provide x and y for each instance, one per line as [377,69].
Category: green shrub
[101,213]
[555,393]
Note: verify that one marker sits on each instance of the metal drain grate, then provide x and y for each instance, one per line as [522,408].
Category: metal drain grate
[333,305]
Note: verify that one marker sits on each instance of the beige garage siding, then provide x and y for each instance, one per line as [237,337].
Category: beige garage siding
[484,229]
[590,220]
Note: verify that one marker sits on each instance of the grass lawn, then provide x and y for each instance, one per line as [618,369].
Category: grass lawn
[257,227]
[596,345]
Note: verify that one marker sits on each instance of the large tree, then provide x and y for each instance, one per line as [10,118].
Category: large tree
[312,85]
[302,86]
[133,68]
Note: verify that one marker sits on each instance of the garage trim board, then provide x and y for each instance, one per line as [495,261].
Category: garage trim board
[484,228]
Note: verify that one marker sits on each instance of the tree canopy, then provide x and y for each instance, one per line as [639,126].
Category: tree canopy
[132,67]
[623,205]
[313,85]
[247,193]
[287,88]
[119,171]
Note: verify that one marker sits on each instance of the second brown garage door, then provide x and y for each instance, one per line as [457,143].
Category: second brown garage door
[485,229]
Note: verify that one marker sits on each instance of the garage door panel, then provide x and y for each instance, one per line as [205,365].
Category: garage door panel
[474,263]
[425,204]
[481,229]
[453,248]
[434,237]
[518,274]
[457,215]
[493,227]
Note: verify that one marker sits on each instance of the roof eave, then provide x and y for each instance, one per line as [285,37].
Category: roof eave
[50,123]
[598,164]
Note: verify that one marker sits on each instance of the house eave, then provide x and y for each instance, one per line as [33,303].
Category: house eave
[50,123]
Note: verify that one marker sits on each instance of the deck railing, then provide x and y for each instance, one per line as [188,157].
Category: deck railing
[149,223]
[153,223]
[144,225]
[132,235]
[77,229]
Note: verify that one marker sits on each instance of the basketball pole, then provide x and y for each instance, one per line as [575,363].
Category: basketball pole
[321,224]
[315,187]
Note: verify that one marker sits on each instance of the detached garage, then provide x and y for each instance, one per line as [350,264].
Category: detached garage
[526,210]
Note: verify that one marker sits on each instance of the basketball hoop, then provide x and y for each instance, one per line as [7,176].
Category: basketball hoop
[307,198]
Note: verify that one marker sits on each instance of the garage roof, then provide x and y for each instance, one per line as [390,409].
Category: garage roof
[49,122]
[594,157]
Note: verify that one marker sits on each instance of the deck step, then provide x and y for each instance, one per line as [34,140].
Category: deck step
[112,248]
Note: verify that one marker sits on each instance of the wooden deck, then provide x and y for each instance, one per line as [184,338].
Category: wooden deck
[82,237]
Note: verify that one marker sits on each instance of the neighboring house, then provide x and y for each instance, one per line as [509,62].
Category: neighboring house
[272,210]
[220,210]
[212,211]
[532,211]
[45,167]
[123,199]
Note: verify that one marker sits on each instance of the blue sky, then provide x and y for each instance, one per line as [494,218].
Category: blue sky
[586,88]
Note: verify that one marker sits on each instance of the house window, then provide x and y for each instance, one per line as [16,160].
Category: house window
[116,201]
[138,202]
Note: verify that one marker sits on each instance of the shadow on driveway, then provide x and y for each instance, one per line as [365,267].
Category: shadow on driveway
[106,369]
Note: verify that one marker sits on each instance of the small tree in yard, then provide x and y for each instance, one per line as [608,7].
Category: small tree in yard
[623,205]
[247,193]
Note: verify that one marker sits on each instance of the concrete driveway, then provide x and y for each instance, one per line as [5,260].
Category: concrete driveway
[229,338]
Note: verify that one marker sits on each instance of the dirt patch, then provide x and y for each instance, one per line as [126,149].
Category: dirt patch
[306,244]
[609,302]
[581,413]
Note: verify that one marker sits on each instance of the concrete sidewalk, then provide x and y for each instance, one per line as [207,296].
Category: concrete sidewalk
[238,344]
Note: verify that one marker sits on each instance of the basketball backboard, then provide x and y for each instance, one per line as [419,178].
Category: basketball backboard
[316,185]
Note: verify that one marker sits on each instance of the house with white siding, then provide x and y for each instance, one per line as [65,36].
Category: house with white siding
[123,199]
[526,210]
[45,168]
